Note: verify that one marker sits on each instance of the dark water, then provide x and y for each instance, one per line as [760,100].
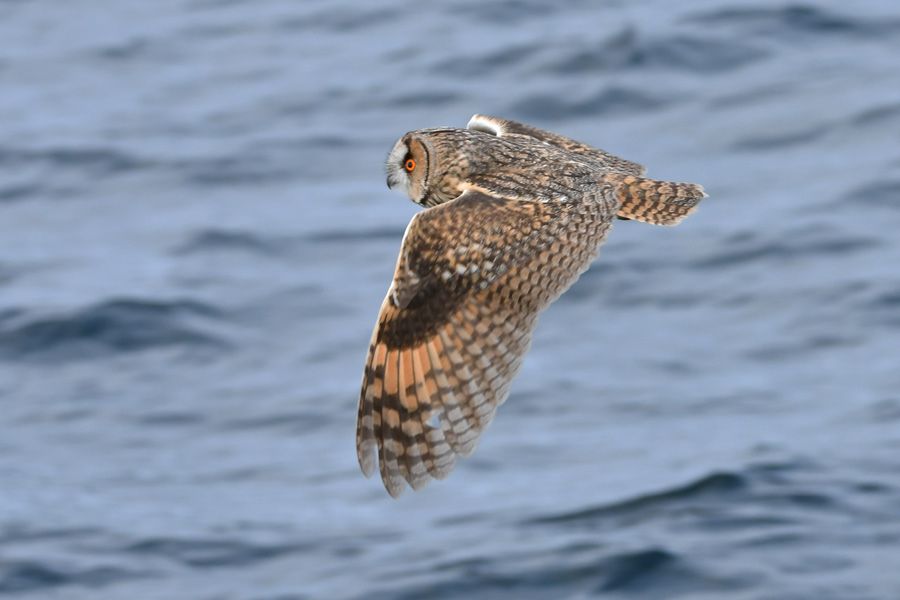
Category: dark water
[195,238]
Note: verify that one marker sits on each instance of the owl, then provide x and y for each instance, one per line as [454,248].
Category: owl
[513,216]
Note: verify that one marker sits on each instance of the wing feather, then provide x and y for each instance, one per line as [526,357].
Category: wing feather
[473,274]
[433,446]
[405,438]
[451,418]
[393,469]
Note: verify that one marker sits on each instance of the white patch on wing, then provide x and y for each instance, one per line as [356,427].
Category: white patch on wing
[479,123]
[394,298]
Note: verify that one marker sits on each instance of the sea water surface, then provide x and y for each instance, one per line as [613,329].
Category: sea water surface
[195,238]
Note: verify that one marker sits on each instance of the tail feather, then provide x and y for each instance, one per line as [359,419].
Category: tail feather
[655,202]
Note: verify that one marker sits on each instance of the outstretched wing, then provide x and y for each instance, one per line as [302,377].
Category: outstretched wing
[472,276]
[600,158]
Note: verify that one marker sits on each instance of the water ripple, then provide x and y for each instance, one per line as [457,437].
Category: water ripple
[615,100]
[20,576]
[631,49]
[713,486]
[747,248]
[882,193]
[790,20]
[214,240]
[211,553]
[98,161]
[109,327]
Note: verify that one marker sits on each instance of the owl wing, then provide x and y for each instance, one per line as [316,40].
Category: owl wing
[472,276]
[600,158]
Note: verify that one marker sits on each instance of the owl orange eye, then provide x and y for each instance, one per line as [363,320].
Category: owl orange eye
[410,164]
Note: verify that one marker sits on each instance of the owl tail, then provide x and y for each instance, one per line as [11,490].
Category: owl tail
[655,202]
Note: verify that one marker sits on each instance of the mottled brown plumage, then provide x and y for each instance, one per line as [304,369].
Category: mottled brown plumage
[515,215]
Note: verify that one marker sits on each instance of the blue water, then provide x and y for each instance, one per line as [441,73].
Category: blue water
[195,238]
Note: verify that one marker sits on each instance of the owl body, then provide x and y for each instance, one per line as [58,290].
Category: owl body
[514,215]
[513,166]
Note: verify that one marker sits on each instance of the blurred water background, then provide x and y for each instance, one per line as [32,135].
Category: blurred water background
[195,238]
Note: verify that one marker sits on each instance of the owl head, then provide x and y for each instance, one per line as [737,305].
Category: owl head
[409,164]
[431,165]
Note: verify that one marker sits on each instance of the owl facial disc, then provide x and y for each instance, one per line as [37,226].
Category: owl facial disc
[407,168]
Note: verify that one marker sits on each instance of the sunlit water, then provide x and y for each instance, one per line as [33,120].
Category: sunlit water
[195,238]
